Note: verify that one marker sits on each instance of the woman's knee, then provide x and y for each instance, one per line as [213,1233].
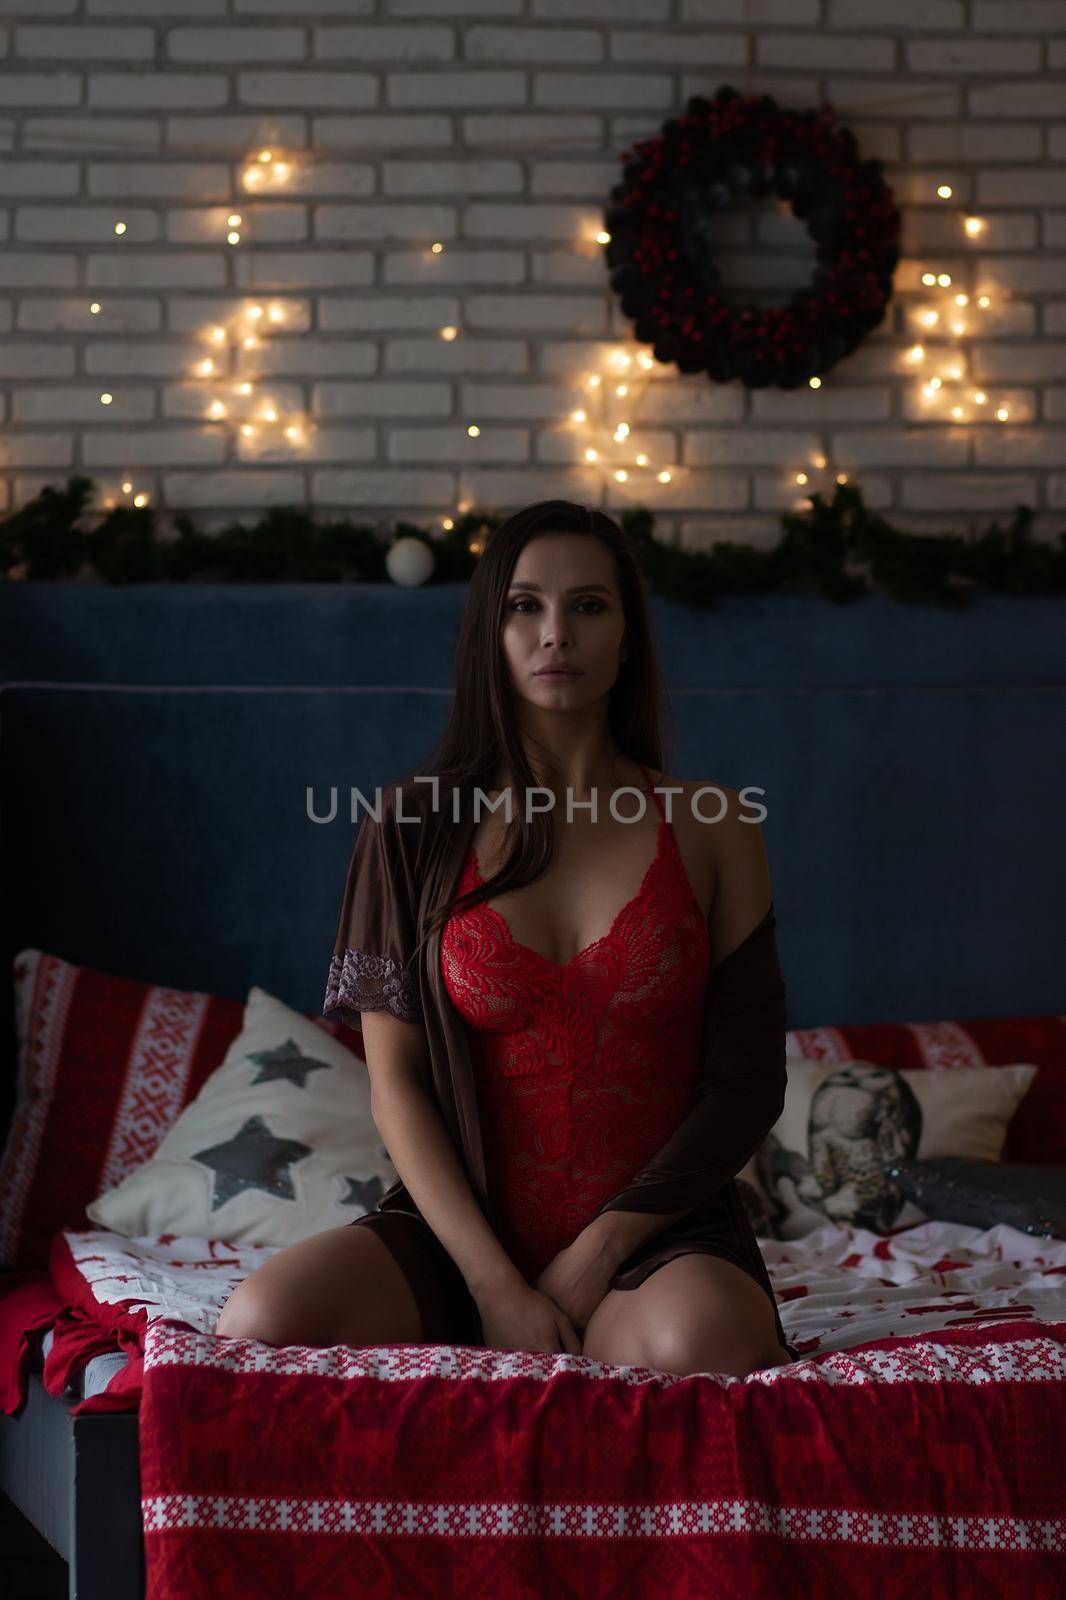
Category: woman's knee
[342,1286]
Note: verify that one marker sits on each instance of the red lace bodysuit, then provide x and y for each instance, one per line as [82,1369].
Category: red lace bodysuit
[584,1068]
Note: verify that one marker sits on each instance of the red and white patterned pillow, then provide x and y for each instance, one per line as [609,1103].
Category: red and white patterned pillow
[1037,1130]
[106,1065]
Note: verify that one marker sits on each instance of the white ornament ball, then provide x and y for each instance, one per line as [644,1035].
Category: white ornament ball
[409,560]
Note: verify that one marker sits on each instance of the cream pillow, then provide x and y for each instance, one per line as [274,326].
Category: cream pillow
[823,1159]
[279,1143]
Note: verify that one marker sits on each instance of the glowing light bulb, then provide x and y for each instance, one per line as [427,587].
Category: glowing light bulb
[594,380]
[217,410]
[929,277]
[233,220]
[474,431]
[207,366]
[126,487]
[218,334]
[928,390]
[253,177]
[120,227]
[815,383]
[842,477]
[645,360]
[249,341]
[106,399]
[255,312]
[270,415]
[591,455]
[233,237]
[916,353]
[276,314]
[436,247]
[1002,414]
[578,416]
[663,477]
[955,372]
[980,398]
[281,170]
[943,278]
[621,475]
[140,499]
[962,299]
[944,191]
[958,328]
[244,388]
[956,411]
[266,155]
[642,460]
[983,300]
[95,307]
[974,224]
[820,461]
[247,429]
[622,431]
[931,318]
[934,383]
[622,389]
[448,524]
[603,237]
[620,355]
[292,431]
[448,332]
[801,477]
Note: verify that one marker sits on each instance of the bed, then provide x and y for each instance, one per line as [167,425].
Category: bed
[156,744]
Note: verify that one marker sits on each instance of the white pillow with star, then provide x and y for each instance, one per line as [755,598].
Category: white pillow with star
[278,1145]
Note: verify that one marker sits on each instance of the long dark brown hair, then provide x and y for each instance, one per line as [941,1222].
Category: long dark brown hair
[482,727]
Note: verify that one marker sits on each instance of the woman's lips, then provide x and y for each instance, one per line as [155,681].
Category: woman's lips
[558,672]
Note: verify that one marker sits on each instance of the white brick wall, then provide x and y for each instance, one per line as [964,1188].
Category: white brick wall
[496,127]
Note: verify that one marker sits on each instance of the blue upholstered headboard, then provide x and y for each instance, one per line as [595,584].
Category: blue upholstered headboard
[157,743]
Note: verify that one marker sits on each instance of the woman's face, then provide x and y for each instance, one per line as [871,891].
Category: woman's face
[563,607]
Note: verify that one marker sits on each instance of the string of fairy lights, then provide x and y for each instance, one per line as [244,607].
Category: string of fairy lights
[605,441]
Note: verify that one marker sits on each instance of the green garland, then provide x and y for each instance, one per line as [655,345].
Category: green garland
[836,548]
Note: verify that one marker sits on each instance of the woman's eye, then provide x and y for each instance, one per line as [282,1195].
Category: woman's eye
[596,604]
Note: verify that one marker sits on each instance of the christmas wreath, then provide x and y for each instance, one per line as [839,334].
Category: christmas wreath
[660,249]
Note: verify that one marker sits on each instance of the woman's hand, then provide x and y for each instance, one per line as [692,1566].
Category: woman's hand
[578,1276]
[518,1317]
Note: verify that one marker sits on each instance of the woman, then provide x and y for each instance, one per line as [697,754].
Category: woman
[573,1017]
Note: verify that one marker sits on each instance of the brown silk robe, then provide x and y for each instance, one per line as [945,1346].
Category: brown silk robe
[400,870]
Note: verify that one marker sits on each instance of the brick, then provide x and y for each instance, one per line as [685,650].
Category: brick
[158,91]
[81,405]
[387,45]
[220,46]
[177,269]
[45,90]
[49,449]
[89,134]
[36,179]
[83,225]
[244,490]
[367,487]
[29,360]
[939,16]
[70,314]
[379,398]
[973,55]
[162,447]
[308,88]
[967,491]
[85,44]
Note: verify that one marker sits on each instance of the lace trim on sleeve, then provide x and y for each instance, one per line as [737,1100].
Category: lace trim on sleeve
[359,982]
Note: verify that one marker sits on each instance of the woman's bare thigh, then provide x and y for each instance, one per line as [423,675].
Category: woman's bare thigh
[341,1286]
